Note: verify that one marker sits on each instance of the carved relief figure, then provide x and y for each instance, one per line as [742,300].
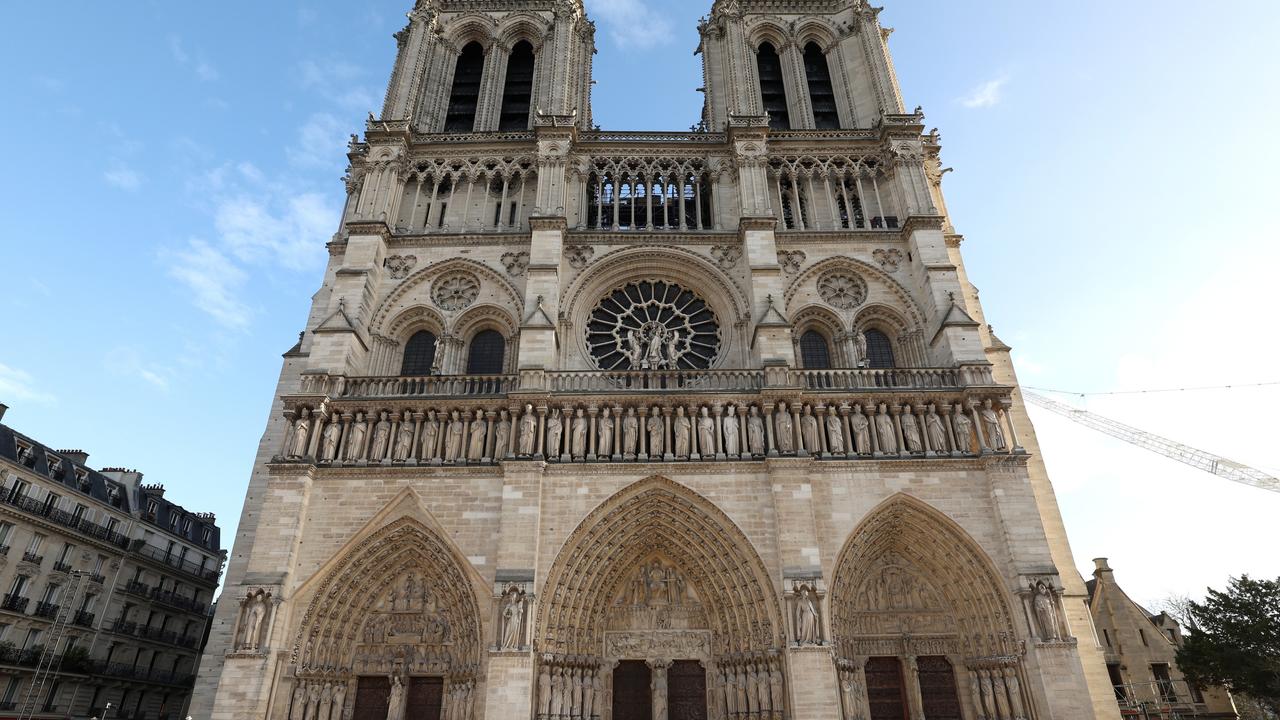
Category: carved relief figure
[809,430]
[659,688]
[604,434]
[453,441]
[512,619]
[731,430]
[355,441]
[964,430]
[706,434]
[329,448]
[835,433]
[475,450]
[861,427]
[398,702]
[884,431]
[339,701]
[502,436]
[579,434]
[630,433]
[911,432]
[1046,608]
[755,432]
[555,429]
[528,429]
[656,429]
[430,436]
[255,612]
[936,430]
[404,440]
[807,615]
[991,424]
[301,430]
[784,430]
[298,707]
[381,438]
[681,428]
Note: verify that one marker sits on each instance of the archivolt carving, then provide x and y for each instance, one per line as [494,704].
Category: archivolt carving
[874,275]
[413,291]
[600,561]
[484,317]
[817,317]
[909,569]
[478,26]
[524,26]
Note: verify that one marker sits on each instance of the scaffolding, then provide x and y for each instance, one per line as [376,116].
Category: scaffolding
[50,663]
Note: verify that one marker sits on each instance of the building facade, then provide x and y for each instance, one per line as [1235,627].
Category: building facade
[1140,649]
[661,425]
[107,588]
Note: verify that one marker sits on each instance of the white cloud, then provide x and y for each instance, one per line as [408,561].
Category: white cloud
[290,232]
[126,362]
[216,283]
[178,52]
[988,94]
[200,65]
[16,384]
[338,82]
[632,23]
[123,177]
[319,142]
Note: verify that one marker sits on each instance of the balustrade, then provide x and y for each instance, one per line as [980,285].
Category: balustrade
[648,194]
[838,193]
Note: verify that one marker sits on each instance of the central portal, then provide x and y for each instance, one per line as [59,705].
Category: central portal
[631,691]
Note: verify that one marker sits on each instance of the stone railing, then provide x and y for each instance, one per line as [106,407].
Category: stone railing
[895,378]
[655,381]
[337,386]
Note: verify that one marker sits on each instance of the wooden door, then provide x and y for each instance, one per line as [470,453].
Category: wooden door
[426,698]
[938,688]
[885,689]
[631,698]
[687,690]
[372,693]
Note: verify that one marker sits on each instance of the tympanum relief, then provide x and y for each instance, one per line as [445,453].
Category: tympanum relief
[657,597]
[894,600]
[405,632]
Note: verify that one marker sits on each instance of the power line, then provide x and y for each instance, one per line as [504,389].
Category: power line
[1154,391]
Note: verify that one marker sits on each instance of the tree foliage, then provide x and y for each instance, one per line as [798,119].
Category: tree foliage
[1238,642]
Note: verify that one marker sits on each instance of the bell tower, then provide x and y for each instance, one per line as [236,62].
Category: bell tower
[820,65]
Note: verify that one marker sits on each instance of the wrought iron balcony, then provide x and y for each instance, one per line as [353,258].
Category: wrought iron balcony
[61,567]
[83,619]
[66,519]
[46,610]
[15,603]
[32,558]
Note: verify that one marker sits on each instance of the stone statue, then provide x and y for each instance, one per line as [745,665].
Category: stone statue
[732,428]
[634,350]
[784,430]
[653,357]
[430,437]
[381,438]
[502,436]
[475,450]
[835,433]
[332,436]
[674,353]
[398,702]
[807,616]
[861,428]
[860,348]
[659,688]
[299,706]
[1046,608]
[936,430]
[255,611]
[657,430]
[884,431]
[630,433]
[681,427]
[339,701]
[555,429]
[579,434]
[604,434]
[911,432]
[528,430]
[706,434]
[512,619]
[964,430]
[404,440]
[760,678]
[301,431]
[544,690]
[991,424]
[453,441]
[755,432]
[355,441]
[809,431]
[313,700]
[776,697]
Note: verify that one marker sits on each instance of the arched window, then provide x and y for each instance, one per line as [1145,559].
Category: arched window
[879,350]
[517,94]
[465,95]
[815,354]
[773,93]
[823,98]
[419,354]
[486,354]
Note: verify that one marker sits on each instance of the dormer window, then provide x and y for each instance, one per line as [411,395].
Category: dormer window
[173,522]
[82,479]
[55,468]
[26,454]
[186,527]
[153,507]
[207,536]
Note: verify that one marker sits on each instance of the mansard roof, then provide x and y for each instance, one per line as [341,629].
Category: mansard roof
[42,460]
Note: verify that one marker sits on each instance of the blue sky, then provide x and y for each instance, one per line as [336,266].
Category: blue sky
[174,175]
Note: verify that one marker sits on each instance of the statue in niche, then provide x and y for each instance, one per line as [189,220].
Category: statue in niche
[760,676]
[604,434]
[453,440]
[809,430]
[579,434]
[528,431]
[706,434]
[555,428]
[911,432]
[502,436]
[329,448]
[299,706]
[301,429]
[674,353]
[835,433]
[1046,608]
[339,700]
[659,690]
[936,430]
[475,449]
[884,431]
[634,350]
[775,690]
[544,689]
[314,691]
[398,702]
[255,613]
[512,619]
[681,428]
[755,432]
[964,430]
[630,433]
[404,440]
[861,427]
[731,429]
[784,430]
[430,436]
[991,423]
[807,616]
[381,438]
[657,430]
[355,441]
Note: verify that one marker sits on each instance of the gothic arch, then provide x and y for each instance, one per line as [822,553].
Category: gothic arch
[826,323]
[523,26]
[415,291]
[659,516]
[489,317]
[771,29]
[909,570]
[411,320]
[877,279]
[472,27]
[817,30]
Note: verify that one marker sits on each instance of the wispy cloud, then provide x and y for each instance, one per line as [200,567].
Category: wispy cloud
[632,23]
[127,362]
[123,177]
[338,82]
[988,94]
[198,63]
[319,142]
[16,384]
[215,282]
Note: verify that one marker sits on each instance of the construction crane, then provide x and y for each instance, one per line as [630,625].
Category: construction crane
[1206,461]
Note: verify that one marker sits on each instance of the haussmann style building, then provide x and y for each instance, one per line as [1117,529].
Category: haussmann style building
[649,425]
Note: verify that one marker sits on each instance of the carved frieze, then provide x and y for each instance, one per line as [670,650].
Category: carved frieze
[666,644]
[399,266]
[455,291]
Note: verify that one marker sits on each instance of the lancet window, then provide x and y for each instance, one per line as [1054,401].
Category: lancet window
[831,194]
[879,350]
[465,96]
[773,93]
[821,95]
[487,353]
[654,198]
[419,354]
[794,204]
[518,93]
[815,353]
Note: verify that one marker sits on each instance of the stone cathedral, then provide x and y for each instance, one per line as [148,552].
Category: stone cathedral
[702,425]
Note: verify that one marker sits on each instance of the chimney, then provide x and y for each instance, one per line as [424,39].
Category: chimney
[1101,568]
[3,408]
[78,457]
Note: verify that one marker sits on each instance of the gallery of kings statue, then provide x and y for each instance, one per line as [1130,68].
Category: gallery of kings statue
[588,424]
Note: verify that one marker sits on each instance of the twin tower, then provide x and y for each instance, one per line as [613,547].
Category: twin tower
[706,425]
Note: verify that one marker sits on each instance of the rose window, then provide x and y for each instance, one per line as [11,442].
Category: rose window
[843,290]
[653,325]
[456,291]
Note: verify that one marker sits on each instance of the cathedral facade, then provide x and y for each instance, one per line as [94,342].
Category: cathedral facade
[649,425]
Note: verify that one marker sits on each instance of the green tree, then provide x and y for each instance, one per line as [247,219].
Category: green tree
[1238,640]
